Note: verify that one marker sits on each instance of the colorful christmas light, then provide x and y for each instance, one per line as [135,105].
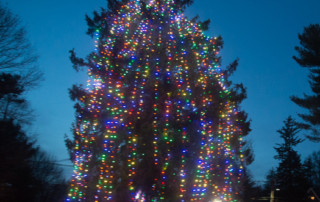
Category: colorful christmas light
[156,77]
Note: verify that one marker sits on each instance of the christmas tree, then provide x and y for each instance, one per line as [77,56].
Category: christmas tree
[158,119]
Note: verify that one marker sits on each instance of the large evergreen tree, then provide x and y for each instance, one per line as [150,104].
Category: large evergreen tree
[309,56]
[159,120]
[290,176]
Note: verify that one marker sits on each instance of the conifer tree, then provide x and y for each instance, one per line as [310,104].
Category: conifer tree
[312,165]
[26,172]
[290,176]
[159,120]
[309,57]
[16,174]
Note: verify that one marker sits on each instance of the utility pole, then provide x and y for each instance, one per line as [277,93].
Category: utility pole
[272,199]
[272,195]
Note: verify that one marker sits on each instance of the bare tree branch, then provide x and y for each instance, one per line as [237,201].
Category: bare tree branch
[18,68]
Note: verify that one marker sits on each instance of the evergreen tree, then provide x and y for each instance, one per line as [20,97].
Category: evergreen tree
[309,56]
[312,165]
[290,174]
[13,105]
[15,172]
[159,119]
[26,172]
[251,191]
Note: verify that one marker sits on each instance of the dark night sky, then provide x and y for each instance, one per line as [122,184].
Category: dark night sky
[261,33]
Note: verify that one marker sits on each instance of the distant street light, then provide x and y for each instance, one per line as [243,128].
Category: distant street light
[315,196]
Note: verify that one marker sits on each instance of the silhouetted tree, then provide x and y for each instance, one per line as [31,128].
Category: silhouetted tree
[290,174]
[26,172]
[16,175]
[309,57]
[270,181]
[16,53]
[251,192]
[312,166]
[12,102]
[18,68]
[49,180]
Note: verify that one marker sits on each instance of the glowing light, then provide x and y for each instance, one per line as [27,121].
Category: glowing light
[155,83]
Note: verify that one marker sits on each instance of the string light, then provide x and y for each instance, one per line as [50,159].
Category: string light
[156,63]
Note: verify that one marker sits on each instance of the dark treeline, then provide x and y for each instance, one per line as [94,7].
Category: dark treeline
[296,180]
[27,174]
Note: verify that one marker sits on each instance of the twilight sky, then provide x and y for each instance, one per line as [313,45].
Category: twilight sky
[261,33]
